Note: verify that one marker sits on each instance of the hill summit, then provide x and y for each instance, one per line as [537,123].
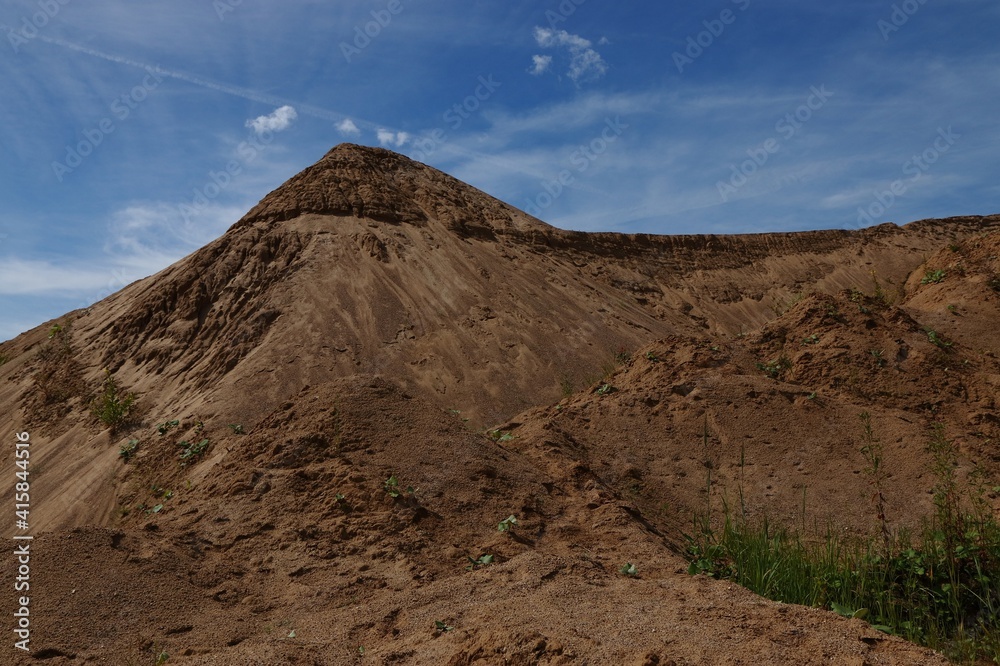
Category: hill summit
[381,185]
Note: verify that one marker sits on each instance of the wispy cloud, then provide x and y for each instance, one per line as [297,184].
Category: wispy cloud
[540,64]
[20,277]
[585,62]
[277,121]
[348,128]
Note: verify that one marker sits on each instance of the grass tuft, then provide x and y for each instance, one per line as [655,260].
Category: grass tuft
[938,587]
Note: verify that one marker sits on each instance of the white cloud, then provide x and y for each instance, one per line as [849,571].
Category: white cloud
[348,128]
[585,62]
[275,122]
[397,139]
[541,64]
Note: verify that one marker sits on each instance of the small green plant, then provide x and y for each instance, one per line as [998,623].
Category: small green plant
[936,339]
[622,356]
[161,657]
[606,389]
[810,340]
[952,308]
[629,569]
[164,427]
[55,330]
[498,435]
[128,450]
[237,428]
[3,359]
[954,248]
[113,406]
[933,276]
[391,486]
[191,451]
[507,524]
[442,626]
[878,355]
[650,356]
[776,368]
[482,561]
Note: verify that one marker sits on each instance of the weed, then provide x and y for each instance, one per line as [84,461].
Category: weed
[954,248]
[164,427]
[776,368]
[113,406]
[952,308]
[442,626]
[936,339]
[507,524]
[391,486]
[481,562]
[933,276]
[3,359]
[810,340]
[606,389]
[629,569]
[237,428]
[161,657]
[880,295]
[566,386]
[128,450]
[622,356]
[936,589]
[877,354]
[191,451]
[650,356]
[498,435]
[873,453]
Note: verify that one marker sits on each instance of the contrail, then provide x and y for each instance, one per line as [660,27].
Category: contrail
[273,100]
[237,91]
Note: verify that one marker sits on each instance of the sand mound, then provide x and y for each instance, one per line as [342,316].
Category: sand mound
[315,474]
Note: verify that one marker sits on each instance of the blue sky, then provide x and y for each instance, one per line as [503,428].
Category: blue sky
[133,132]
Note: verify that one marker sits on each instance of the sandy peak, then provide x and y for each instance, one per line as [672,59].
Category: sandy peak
[378,184]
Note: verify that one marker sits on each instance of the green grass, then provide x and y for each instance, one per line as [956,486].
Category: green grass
[939,587]
[933,276]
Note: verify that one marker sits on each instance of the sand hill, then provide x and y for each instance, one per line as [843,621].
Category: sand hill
[386,362]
